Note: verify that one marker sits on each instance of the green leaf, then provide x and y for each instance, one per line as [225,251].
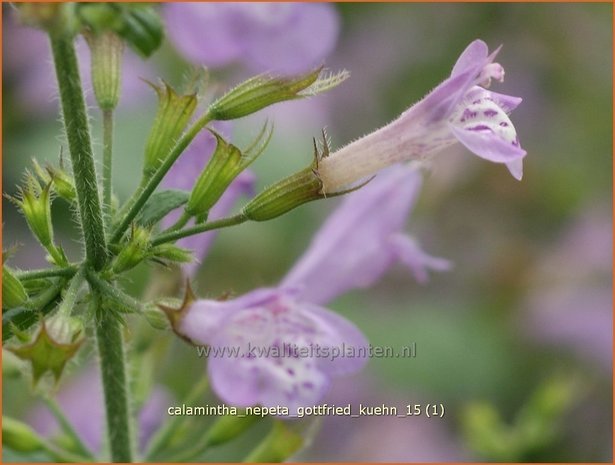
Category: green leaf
[160,204]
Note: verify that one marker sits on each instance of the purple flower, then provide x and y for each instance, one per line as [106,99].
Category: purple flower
[362,239]
[277,346]
[285,348]
[458,110]
[184,174]
[82,402]
[284,37]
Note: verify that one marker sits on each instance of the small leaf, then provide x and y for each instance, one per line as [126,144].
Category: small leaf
[160,204]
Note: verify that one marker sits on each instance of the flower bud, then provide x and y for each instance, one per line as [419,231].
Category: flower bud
[62,182]
[261,91]
[285,195]
[19,436]
[170,253]
[134,252]
[226,163]
[138,24]
[34,202]
[13,292]
[174,112]
[106,49]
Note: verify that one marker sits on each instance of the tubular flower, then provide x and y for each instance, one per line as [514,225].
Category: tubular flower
[458,110]
[279,346]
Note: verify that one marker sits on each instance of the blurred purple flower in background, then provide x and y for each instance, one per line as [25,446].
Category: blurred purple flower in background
[359,242]
[573,306]
[81,401]
[458,110]
[362,239]
[184,174]
[283,37]
[28,66]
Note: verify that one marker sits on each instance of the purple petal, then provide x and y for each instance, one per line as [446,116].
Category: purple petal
[285,352]
[507,102]
[205,317]
[408,252]
[473,56]
[488,145]
[515,168]
[203,32]
[310,32]
[352,248]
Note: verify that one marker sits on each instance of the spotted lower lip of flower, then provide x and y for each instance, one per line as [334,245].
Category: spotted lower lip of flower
[458,110]
[269,348]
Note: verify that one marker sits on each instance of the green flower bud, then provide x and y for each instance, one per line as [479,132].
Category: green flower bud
[174,113]
[134,252]
[225,165]
[156,318]
[285,195]
[264,90]
[138,24]
[19,436]
[171,253]
[34,202]
[106,49]
[228,427]
[13,292]
[281,444]
[62,182]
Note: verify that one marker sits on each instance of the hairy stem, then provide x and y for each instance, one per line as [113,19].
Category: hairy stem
[216,224]
[80,147]
[26,275]
[113,369]
[70,297]
[136,203]
[107,163]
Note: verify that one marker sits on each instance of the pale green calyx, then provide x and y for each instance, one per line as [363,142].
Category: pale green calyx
[226,163]
[174,113]
[106,49]
[261,91]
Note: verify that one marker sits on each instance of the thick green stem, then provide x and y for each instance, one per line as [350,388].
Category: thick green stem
[201,228]
[115,386]
[107,163]
[136,203]
[110,292]
[80,147]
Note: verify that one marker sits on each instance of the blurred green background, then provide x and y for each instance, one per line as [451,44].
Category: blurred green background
[515,341]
